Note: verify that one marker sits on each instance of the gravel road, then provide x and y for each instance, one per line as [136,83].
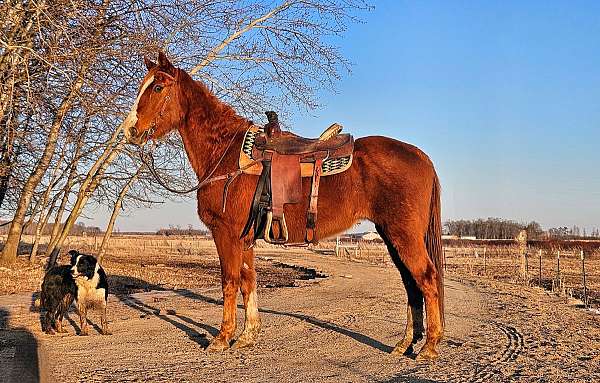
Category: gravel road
[335,329]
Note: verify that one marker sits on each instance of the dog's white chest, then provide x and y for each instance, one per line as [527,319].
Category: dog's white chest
[88,294]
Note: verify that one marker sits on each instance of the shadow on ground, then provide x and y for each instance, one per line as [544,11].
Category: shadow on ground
[122,286]
[19,360]
[361,338]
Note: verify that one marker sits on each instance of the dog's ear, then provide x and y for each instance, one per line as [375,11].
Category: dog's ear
[74,254]
[90,266]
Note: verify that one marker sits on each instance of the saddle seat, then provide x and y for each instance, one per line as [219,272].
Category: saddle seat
[290,143]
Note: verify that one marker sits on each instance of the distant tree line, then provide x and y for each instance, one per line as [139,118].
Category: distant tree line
[32,229]
[498,228]
[177,230]
[565,232]
[491,228]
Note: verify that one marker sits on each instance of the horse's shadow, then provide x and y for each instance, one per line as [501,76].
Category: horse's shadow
[361,338]
[123,286]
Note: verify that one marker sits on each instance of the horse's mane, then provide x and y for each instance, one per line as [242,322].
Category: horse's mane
[213,115]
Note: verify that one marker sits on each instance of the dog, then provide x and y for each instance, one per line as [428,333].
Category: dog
[58,292]
[83,282]
[91,289]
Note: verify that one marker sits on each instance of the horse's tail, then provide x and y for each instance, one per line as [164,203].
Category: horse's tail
[433,240]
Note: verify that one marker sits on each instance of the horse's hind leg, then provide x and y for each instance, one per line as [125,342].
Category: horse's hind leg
[413,254]
[252,319]
[414,314]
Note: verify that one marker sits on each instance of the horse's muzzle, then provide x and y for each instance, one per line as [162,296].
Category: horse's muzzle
[134,137]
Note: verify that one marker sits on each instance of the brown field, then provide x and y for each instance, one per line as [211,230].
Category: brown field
[145,263]
[165,307]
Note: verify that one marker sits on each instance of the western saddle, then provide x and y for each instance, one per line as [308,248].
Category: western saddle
[282,160]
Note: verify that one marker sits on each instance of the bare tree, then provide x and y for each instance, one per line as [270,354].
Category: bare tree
[69,72]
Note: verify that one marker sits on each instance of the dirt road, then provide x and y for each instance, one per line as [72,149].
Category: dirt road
[336,329]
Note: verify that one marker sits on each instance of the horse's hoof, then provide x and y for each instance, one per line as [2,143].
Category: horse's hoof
[244,342]
[218,345]
[105,332]
[84,333]
[427,353]
[403,349]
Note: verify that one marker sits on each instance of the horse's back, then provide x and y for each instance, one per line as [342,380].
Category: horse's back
[392,157]
[397,178]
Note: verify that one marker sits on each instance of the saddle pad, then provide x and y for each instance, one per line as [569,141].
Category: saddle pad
[330,166]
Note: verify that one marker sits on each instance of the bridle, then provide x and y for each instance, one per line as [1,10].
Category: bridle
[148,160]
[152,129]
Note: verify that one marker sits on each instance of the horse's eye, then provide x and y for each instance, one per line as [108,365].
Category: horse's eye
[158,88]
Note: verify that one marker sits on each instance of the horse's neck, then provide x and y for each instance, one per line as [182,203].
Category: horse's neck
[209,129]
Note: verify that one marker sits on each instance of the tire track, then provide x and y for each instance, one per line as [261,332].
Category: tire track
[513,348]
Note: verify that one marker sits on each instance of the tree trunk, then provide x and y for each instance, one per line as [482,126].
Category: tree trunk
[9,253]
[65,195]
[93,178]
[115,214]
[40,231]
[43,202]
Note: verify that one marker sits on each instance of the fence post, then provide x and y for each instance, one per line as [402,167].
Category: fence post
[526,279]
[540,276]
[444,251]
[558,268]
[585,299]
[485,261]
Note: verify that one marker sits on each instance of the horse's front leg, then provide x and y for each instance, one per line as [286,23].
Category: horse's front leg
[252,319]
[229,248]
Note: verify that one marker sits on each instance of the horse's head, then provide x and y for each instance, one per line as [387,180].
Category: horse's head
[156,110]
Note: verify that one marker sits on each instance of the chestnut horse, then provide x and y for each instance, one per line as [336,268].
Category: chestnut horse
[390,183]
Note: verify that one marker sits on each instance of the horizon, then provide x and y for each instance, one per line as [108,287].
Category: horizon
[500,96]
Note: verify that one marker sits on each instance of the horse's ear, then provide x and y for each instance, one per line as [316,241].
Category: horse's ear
[165,64]
[149,63]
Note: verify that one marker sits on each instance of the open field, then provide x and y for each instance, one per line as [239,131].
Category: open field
[340,327]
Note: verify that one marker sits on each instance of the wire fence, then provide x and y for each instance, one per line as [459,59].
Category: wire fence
[573,273]
[569,273]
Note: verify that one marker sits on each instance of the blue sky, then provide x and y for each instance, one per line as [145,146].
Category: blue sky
[503,96]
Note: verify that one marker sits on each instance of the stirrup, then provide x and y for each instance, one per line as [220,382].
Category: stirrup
[283,235]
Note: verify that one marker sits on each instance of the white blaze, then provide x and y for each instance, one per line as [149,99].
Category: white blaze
[131,118]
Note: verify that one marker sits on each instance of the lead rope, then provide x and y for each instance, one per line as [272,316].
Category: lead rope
[148,160]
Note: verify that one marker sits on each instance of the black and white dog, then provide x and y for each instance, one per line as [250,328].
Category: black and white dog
[84,282]
[92,288]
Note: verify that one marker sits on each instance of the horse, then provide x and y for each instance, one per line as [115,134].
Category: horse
[390,183]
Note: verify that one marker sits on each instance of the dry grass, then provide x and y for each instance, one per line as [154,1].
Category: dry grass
[136,264]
